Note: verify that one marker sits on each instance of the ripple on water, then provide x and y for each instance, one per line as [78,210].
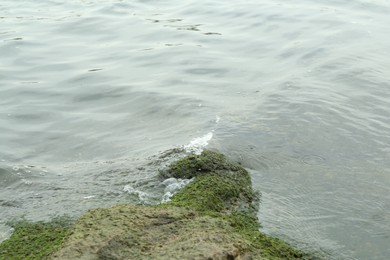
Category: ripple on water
[301,90]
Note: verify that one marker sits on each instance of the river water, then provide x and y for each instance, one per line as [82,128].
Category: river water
[97,95]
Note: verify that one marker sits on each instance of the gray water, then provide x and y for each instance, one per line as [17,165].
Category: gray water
[94,95]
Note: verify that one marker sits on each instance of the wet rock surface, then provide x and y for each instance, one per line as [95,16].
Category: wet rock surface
[213,217]
[137,232]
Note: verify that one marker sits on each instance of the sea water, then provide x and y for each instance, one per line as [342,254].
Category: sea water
[96,96]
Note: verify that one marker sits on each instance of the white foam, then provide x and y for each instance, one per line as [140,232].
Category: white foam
[197,145]
[173,185]
[143,196]
[5,232]
[27,182]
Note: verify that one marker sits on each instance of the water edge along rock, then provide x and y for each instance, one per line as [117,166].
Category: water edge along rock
[214,217]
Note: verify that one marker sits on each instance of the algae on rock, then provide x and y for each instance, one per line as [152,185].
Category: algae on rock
[214,217]
[34,240]
[137,232]
[219,185]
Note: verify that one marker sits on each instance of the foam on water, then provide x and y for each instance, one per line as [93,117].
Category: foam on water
[143,196]
[173,185]
[197,145]
[5,232]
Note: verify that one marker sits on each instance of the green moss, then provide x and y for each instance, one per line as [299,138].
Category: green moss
[213,193]
[270,248]
[223,189]
[194,165]
[219,185]
[34,240]
[216,212]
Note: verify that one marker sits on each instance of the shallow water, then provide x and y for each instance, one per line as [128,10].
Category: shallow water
[93,92]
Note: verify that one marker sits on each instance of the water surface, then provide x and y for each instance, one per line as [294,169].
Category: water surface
[95,94]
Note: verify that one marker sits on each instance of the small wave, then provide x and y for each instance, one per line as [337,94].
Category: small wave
[197,145]
[173,185]
[143,196]
[5,232]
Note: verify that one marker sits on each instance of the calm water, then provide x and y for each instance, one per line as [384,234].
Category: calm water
[95,94]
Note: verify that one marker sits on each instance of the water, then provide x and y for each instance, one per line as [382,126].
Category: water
[94,95]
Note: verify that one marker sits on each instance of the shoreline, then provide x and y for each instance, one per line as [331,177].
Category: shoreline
[213,217]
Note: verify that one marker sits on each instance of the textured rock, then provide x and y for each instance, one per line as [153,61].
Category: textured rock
[137,232]
[214,217]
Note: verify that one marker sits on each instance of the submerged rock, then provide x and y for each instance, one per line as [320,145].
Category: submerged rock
[214,217]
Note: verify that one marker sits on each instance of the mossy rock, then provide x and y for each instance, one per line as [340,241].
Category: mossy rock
[34,240]
[223,189]
[220,185]
[137,232]
[214,217]
[195,165]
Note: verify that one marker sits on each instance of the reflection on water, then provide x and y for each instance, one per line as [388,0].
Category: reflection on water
[91,89]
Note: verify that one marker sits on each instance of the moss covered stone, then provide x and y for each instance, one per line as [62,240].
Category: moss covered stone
[34,240]
[223,189]
[137,232]
[219,186]
[214,217]
[195,165]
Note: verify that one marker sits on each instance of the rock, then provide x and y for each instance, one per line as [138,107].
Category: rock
[137,232]
[214,217]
